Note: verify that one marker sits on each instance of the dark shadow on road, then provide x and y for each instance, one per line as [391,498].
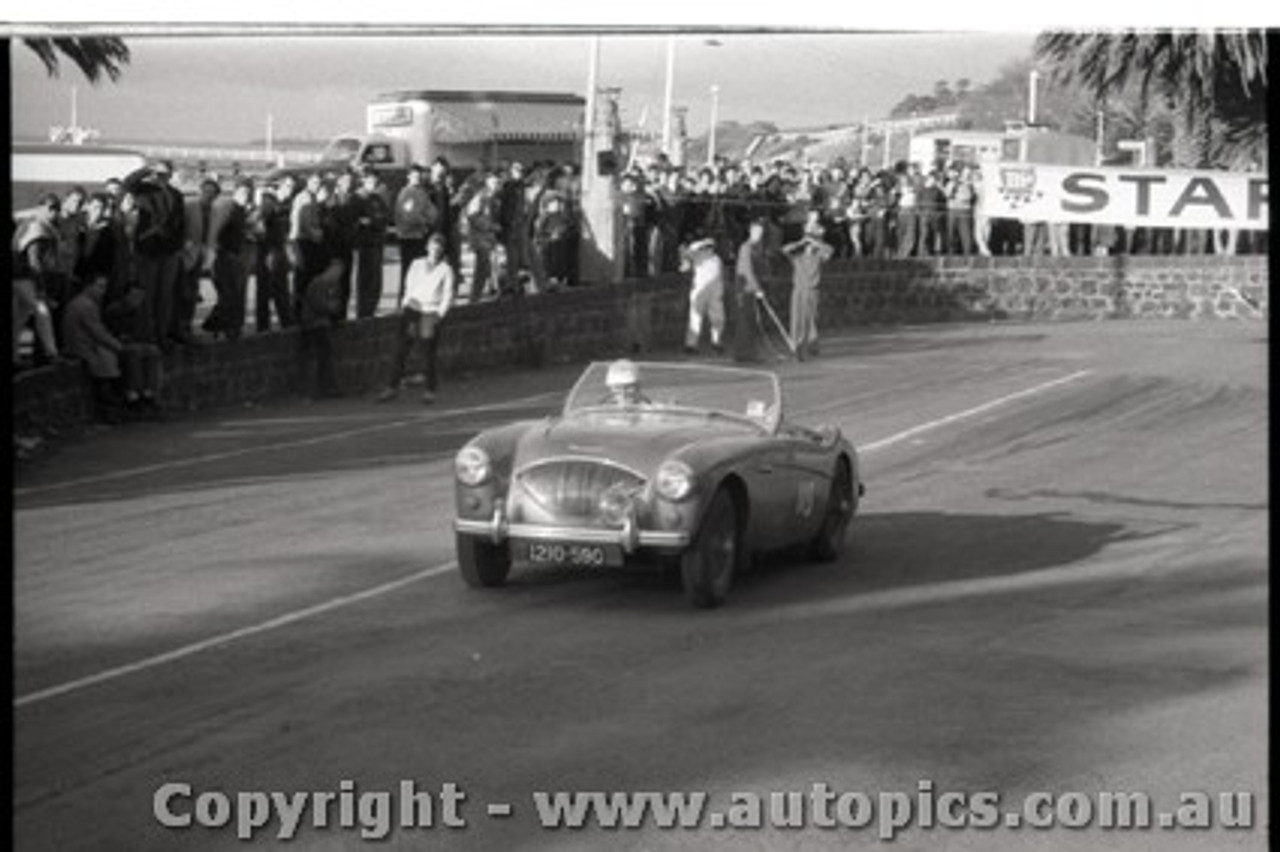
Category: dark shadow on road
[885,551]
[1107,499]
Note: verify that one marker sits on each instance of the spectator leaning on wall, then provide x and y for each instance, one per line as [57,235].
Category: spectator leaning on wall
[316,311]
[428,295]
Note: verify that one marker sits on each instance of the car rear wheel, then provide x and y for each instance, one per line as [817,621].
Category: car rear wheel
[481,563]
[707,568]
[841,505]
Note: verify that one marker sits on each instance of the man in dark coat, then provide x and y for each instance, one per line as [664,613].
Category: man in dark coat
[747,290]
[158,243]
[371,238]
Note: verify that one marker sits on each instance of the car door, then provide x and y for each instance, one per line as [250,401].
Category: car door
[807,479]
[767,471]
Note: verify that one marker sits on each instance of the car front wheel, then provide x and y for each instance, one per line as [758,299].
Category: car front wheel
[842,503]
[481,563]
[708,566]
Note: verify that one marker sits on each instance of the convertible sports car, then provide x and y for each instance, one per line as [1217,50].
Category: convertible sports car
[692,464]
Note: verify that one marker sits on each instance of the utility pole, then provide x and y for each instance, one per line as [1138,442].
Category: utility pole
[1032,83]
[668,95]
[1100,138]
[599,259]
[680,136]
[711,138]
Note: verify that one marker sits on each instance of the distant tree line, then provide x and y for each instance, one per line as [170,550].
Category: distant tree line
[1200,96]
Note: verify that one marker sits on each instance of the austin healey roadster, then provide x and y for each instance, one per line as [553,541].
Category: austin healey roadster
[692,465]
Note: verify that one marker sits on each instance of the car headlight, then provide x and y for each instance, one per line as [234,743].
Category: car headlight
[674,480]
[472,466]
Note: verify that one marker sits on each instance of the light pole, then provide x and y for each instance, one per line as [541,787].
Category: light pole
[1032,83]
[668,94]
[589,123]
[681,136]
[711,138]
[1100,135]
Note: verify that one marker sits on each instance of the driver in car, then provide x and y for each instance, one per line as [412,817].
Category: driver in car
[623,382]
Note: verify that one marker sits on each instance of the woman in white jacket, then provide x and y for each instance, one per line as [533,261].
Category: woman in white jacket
[428,294]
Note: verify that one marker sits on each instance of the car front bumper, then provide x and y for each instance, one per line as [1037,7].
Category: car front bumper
[629,536]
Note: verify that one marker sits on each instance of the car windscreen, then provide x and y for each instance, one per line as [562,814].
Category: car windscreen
[674,389]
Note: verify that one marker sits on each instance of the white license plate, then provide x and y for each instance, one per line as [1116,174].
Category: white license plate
[576,555]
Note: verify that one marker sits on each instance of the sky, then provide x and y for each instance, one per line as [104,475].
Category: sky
[220,89]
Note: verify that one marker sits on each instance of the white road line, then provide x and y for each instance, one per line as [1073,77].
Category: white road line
[336,603]
[279,445]
[223,639]
[952,418]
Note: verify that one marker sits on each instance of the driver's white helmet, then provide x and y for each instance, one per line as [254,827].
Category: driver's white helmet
[622,373]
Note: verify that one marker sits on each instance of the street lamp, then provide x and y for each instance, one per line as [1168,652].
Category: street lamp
[670,89]
[711,139]
[667,95]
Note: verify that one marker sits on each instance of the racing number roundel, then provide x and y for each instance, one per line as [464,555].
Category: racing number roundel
[806,497]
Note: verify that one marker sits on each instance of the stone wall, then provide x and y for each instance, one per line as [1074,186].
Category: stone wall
[607,321]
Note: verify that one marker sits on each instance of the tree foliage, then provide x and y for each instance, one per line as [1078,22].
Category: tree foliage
[945,96]
[95,57]
[1214,83]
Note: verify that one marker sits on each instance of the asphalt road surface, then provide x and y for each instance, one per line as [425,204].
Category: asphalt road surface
[1057,583]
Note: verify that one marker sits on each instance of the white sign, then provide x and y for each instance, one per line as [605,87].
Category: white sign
[1131,197]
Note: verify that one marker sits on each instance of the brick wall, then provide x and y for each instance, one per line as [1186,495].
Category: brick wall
[606,321]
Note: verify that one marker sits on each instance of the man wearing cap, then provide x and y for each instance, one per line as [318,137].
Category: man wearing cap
[706,299]
[807,256]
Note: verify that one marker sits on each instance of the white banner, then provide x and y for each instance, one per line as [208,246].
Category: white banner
[1130,197]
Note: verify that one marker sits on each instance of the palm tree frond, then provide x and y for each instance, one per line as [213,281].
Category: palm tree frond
[93,56]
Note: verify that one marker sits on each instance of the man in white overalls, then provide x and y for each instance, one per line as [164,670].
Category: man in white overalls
[706,299]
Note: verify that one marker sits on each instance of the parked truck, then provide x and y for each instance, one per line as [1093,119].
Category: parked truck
[473,130]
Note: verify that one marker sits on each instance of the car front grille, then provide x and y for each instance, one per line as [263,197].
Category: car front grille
[566,490]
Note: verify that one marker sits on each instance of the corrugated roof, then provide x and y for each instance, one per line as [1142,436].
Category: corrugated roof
[461,123]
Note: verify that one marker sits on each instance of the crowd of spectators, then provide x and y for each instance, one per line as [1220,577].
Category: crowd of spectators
[905,211]
[137,248]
